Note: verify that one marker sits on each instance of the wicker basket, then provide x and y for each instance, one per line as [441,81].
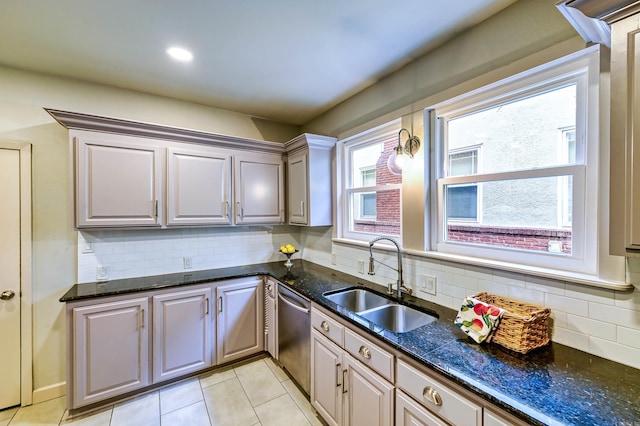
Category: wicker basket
[522,328]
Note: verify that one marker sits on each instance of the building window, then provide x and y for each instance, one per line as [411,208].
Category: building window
[371,197]
[368,200]
[527,203]
[462,200]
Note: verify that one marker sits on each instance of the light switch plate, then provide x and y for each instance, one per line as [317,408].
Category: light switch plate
[101,273]
[427,284]
[334,259]
[187,263]
[361,266]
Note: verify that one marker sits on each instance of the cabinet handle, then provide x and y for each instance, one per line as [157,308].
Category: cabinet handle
[325,326]
[154,206]
[220,304]
[365,352]
[338,384]
[240,211]
[431,395]
[344,381]
[206,306]
[141,318]
[301,208]
[225,208]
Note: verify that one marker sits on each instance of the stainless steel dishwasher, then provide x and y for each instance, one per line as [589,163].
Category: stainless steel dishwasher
[294,332]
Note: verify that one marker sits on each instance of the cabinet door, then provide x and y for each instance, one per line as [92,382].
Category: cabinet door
[297,184]
[271,318]
[198,187]
[110,350]
[625,136]
[326,378]
[369,397]
[181,333]
[240,329]
[409,413]
[259,189]
[118,181]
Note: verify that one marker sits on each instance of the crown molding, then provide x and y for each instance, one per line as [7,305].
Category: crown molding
[80,121]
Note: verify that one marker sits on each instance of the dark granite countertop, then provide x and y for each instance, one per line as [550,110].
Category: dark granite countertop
[555,385]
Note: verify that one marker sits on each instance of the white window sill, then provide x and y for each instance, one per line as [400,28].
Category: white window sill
[573,277]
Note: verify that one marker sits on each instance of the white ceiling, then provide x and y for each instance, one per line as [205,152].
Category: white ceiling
[285,60]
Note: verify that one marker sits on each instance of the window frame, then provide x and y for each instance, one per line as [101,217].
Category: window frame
[377,135]
[582,69]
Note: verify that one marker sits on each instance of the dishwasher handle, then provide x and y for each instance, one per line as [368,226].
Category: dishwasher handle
[293,305]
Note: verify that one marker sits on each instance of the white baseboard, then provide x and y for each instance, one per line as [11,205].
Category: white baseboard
[49,392]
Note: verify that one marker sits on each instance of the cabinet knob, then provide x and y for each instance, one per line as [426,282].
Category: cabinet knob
[7,295]
[432,395]
[365,352]
[324,325]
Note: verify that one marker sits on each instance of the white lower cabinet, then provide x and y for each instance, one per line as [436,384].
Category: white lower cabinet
[110,350]
[436,396]
[410,413]
[124,343]
[181,333]
[240,328]
[345,391]
[368,397]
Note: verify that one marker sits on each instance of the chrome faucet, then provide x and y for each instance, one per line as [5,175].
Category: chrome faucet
[400,288]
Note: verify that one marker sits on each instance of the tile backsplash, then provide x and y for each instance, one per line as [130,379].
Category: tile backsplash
[599,321]
[137,253]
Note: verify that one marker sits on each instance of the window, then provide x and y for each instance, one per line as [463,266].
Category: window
[371,199]
[527,201]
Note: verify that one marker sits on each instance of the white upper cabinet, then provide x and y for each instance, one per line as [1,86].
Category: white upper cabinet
[118,181]
[135,175]
[259,189]
[309,180]
[198,186]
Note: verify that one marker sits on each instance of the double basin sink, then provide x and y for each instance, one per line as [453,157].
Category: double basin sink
[380,310]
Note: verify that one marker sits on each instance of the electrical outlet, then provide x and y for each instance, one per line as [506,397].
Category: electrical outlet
[186,262]
[88,247]
[101,273]
[427,284]
[334,259]
[361,266]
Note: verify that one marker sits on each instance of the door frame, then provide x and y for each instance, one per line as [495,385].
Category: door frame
[26,346]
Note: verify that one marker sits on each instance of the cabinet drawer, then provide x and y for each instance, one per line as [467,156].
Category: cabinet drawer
[327,326]
[369,354]
[452,407]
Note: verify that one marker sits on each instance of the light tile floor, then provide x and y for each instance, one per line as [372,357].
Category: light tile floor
[257,393]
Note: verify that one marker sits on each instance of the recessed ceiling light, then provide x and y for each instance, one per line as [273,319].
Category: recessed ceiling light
[180,54]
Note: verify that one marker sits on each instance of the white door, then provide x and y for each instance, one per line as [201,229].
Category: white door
[10,277]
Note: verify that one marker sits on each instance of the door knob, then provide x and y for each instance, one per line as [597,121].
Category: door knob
[7,294]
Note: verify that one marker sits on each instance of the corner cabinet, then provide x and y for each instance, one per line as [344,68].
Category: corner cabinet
[110,350]
[118,181]
[309,174]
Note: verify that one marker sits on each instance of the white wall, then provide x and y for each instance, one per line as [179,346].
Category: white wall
[22,118]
